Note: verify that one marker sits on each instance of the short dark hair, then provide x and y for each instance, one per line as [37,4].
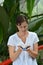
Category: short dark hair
[20,19]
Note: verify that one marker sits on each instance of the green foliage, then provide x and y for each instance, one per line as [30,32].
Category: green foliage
[30,5]
[4,21]
[4,51]
[40,57]
[39,61]
[8,14]
[1,33]
[36,24]
[8,5]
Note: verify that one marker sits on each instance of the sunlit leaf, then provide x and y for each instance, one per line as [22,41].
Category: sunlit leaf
[30,5]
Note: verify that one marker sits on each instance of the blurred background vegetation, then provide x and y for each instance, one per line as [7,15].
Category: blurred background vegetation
[33,9]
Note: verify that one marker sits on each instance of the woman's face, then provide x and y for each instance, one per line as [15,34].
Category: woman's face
[23,27]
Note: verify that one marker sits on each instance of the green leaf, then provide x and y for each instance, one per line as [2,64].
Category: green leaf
[8,5]
[14,8]
[30,5]
[12,27]
[36,25]
[4,20]
[40,30]
[1,33]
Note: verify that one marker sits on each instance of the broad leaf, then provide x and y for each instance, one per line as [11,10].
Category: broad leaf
[4,20]
[36,24]
[30,5]
[40,30]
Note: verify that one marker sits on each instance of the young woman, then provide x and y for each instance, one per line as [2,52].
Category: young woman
[23,45]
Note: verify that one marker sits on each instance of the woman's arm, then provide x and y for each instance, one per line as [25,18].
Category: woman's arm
[14,54]
[33,53]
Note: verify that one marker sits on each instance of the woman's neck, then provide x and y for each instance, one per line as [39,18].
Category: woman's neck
[23,33]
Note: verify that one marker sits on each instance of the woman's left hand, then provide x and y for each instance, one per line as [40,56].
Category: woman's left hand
[27,49]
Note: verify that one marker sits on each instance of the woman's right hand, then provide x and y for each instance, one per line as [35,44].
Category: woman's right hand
[19,49]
